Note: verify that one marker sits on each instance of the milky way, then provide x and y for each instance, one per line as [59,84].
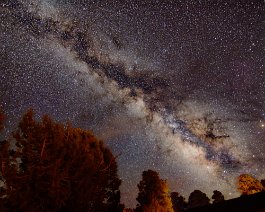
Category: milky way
[176,87]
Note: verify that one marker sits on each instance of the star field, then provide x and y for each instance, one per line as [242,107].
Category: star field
[173,86]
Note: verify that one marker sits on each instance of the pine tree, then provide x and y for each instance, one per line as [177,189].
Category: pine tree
[56,167]
[153,194]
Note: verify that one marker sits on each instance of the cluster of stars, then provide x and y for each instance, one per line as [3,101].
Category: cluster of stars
[184,61]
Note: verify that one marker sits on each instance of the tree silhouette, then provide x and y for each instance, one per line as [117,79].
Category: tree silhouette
[197,198]
[153,194]
[217,196]
[263,184]
[178,202]
[247,184]
[55,167]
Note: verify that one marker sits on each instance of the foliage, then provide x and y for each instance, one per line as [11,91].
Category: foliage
[197,198]
[179,203]
[247,184]
[263,183]
[55,167]
[153,193]
[217,196]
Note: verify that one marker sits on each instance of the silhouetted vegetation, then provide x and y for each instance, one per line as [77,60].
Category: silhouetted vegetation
[53,167]
[178,202]
[217,196]
[197,198]
[245,203]
[153,193]
[263,183]
[48,166]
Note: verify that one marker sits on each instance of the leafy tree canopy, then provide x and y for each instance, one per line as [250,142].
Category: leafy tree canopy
[53,167]
[198,198]
[247,184]
[153,193]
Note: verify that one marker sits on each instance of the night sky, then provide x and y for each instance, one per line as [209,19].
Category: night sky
[173,86]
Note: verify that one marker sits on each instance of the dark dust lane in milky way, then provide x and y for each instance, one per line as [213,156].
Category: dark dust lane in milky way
[177,87]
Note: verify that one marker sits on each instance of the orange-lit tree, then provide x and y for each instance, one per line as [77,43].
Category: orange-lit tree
[153,194]
[53,167]
[247,184]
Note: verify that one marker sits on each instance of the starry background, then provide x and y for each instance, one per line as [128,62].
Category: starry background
[173,86]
